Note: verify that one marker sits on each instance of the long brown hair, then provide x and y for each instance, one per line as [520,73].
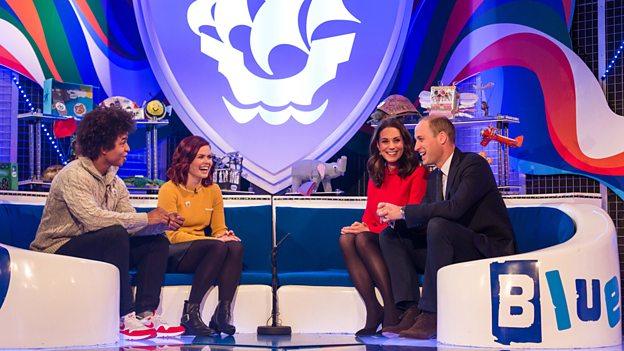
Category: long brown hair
[376,164]
[183,155]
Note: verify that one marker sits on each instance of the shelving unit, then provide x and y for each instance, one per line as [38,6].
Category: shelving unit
[34,121]
[468,138]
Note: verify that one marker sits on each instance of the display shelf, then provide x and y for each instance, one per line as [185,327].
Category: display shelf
[35,119]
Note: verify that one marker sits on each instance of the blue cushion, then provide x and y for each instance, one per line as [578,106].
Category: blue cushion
[540,227]
[321,278]
[313,242]
[255,277]
[316,278]
[173,279]
[253,225]
[19,223]
[311,254]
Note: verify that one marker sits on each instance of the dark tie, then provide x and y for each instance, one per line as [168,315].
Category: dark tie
[440,192]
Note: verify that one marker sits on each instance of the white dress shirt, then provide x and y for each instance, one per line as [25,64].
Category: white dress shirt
[445,170]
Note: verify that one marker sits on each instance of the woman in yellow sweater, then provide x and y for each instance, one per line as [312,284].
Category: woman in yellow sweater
[203,245]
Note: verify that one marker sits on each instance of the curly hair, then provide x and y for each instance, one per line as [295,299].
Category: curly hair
[376,164]
[100,128]
[183,155]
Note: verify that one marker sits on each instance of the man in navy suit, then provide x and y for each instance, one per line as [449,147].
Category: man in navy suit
[462,218]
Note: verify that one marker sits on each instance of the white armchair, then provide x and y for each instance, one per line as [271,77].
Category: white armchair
[563,296]
[56,301]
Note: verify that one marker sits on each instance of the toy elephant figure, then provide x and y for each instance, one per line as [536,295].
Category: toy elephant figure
[317,172]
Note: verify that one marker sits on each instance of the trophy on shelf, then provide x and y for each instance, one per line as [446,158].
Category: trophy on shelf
[228,171]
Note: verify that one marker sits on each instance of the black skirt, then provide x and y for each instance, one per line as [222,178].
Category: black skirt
[176,254]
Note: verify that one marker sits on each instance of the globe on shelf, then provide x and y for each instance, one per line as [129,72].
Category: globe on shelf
[124,103]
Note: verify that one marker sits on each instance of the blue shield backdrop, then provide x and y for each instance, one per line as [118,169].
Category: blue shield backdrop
[194,75]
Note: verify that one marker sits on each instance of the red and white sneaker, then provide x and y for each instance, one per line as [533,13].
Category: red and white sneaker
[162,328]
[131,328]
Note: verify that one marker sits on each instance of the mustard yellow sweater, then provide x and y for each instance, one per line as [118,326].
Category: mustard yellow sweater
[200,210]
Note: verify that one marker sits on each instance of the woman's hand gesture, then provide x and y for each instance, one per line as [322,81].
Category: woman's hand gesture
[355,228]
[229,236]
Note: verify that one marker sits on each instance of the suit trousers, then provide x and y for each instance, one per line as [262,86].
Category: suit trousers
[405,253]
[444,242]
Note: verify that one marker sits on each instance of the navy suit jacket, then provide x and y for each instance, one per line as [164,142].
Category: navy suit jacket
[472,200]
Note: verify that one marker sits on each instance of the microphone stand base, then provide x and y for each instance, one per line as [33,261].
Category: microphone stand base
[274,330]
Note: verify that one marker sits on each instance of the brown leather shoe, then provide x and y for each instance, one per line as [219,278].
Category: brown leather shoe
[425,327]
[407,320]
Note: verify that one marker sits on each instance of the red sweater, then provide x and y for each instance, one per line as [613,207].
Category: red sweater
[396,191]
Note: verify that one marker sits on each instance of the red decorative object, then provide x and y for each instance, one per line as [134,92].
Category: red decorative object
[64,128]
[491,133]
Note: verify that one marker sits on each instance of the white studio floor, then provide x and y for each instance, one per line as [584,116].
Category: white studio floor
[342,342]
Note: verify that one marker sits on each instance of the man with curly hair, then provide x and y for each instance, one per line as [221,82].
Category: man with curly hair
[88,215]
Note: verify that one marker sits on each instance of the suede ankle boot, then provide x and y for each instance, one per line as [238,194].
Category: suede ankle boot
[192,322]
[222,317]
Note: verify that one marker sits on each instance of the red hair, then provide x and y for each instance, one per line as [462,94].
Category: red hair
[183,155]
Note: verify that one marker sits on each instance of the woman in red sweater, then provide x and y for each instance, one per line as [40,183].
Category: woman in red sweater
[396,176]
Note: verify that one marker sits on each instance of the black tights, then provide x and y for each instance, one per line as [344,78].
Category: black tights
[213,261]
[368,270]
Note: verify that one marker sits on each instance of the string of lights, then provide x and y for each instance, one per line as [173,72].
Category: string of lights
[612,62]
[54,144]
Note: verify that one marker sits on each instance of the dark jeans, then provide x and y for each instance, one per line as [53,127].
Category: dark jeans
[148,254]
[407,252]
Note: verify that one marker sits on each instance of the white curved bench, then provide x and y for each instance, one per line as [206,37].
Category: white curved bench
[536,302]
[56,301]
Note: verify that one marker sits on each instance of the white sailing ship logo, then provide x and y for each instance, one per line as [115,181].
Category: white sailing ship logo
[275,23]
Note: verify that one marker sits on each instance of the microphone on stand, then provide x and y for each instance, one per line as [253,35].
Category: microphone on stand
[274,328]
[282,240]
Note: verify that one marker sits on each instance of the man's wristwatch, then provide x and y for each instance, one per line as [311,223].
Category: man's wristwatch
[402,209]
